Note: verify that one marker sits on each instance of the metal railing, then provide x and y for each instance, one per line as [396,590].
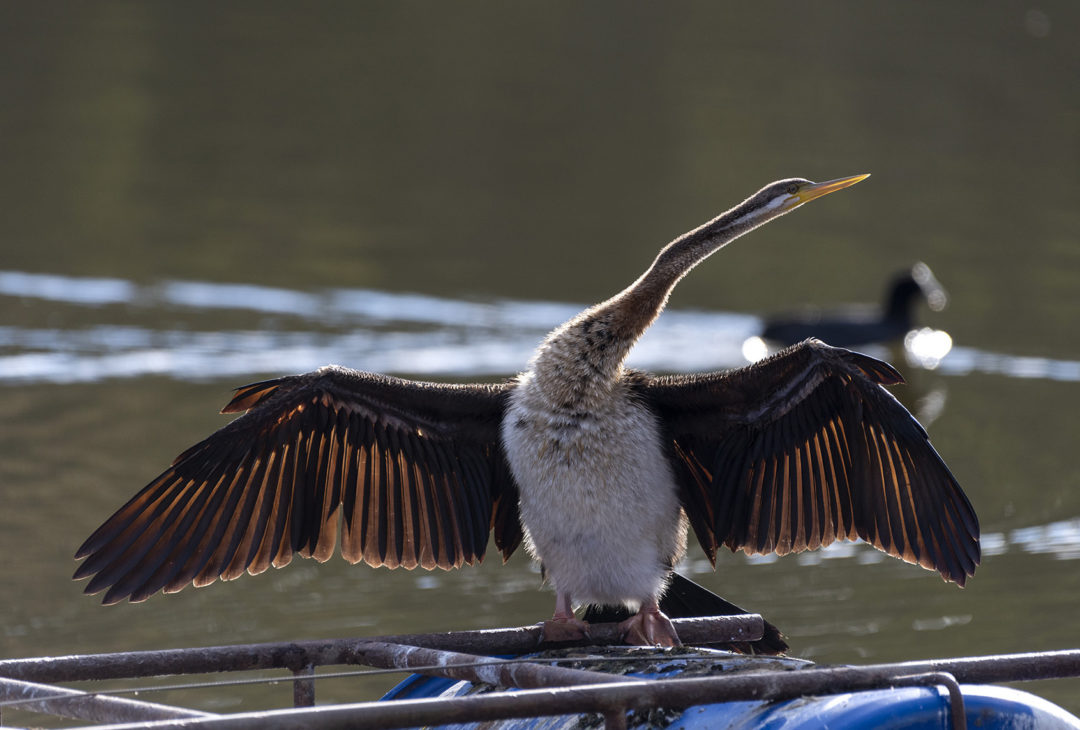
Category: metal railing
[540,689]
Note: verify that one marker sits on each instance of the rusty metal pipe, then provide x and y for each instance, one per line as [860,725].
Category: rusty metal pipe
[299,654]
[942,679]
[624,696]
[46,698]
[304,687]
[497,672]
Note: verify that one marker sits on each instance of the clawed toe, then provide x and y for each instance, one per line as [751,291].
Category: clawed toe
[649,628]
[563,629]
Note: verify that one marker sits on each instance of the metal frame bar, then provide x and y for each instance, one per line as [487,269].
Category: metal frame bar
[301,658]
[617,698]
[943,679]
[473,668]
[297,655]
[70,703]
[546,690]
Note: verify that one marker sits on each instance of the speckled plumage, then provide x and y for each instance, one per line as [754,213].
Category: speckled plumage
[599,502]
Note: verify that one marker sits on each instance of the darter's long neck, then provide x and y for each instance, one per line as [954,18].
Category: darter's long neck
[581,361]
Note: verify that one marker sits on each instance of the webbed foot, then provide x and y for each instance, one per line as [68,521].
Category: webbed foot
[564,629]
[649,627]
[563,625]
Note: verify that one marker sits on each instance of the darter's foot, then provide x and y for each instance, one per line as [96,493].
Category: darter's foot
[649,627]
[564,628]
[564,625]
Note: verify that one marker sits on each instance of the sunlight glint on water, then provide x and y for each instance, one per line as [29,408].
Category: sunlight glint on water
[381,331]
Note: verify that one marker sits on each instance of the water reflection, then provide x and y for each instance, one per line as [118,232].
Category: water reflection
[382,331]
[927,347]
[1060,540]
[964,360]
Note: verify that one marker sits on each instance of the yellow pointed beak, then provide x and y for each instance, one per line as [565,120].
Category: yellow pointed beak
[816,190]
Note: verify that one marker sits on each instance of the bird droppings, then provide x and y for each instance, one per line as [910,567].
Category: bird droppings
[657,663]
[683,661]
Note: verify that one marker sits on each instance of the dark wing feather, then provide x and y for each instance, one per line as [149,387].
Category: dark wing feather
[416,470]
[805,448]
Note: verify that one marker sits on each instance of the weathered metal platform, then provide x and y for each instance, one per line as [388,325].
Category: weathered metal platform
[537,685]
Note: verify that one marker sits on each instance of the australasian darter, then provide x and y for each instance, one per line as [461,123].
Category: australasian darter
[596,468]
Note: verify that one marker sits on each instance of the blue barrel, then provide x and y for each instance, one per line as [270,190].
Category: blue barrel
[986,706]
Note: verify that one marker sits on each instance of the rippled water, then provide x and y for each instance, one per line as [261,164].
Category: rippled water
[386,331]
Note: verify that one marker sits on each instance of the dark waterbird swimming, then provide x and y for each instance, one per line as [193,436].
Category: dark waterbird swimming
[856,324]
[597,469]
